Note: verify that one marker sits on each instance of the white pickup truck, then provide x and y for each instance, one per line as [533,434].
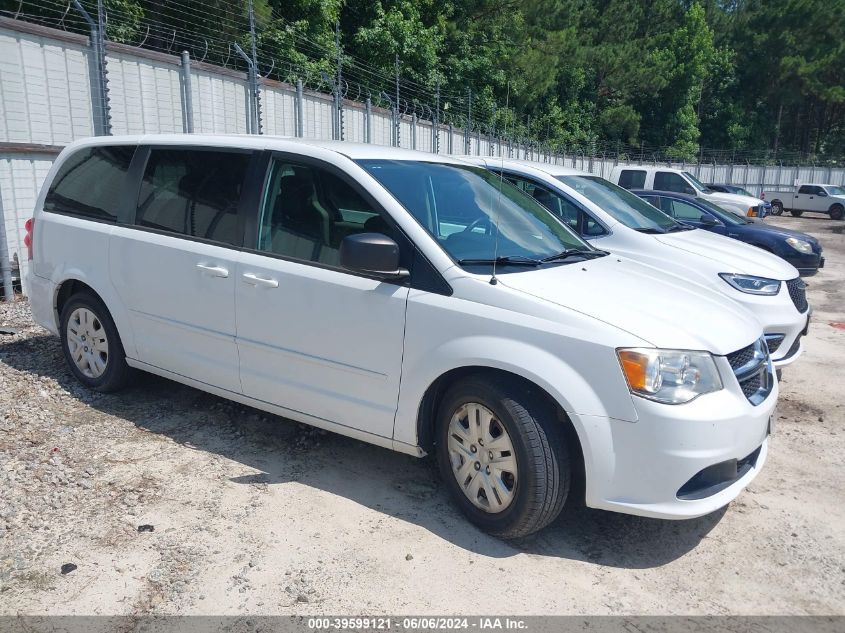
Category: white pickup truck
[679,181]
[828,199]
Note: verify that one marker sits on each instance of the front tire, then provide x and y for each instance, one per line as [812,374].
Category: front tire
[837,211]
[91,344]
[796,213]
[777,207]
[502,454]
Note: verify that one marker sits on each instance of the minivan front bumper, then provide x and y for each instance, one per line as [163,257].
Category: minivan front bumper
[675,462]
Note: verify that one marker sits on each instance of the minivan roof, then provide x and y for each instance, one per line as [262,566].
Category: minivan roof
[354,151]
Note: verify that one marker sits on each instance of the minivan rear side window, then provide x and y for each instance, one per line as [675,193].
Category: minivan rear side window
[91,182]
[194,192]
[632,178]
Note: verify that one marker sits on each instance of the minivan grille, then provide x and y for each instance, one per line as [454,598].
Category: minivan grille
[741,357]
[798,293]
[751,386]
[753,371]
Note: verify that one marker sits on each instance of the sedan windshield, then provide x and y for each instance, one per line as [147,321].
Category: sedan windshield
[475,216]
[621,204]
[836,191]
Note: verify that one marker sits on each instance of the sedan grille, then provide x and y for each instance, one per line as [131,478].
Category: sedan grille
[753,371]
[798,293]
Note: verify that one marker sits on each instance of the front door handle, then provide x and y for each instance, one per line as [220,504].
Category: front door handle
[213,271]
[255,280]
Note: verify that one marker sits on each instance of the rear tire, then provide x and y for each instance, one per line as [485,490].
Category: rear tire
[796,213]
[837,212]
[777,207]
[517,483]
[91,344]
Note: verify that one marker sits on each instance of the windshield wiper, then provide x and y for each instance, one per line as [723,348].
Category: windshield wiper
[511,260]
[650,230]
[680,227]
[575,252]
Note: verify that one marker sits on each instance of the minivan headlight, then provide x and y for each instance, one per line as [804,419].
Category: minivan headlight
[669,376]
[751,284]
[801,246]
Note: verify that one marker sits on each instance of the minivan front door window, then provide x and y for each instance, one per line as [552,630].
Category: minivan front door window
[307,211]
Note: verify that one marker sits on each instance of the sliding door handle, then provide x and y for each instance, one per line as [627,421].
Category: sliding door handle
[255,280]
[213,271]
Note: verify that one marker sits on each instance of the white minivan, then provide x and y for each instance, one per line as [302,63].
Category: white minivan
[662,178]
[612,218]
[408,300]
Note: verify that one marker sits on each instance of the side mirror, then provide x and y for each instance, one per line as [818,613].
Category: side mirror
[690,191]
[371,253]
[708,220]
[822,193]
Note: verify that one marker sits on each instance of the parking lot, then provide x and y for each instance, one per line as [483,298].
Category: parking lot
[170,500]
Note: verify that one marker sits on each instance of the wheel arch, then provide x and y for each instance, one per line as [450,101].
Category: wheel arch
[74,282]
[426,414]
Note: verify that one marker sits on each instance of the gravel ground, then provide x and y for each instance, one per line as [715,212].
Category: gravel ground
[169,500]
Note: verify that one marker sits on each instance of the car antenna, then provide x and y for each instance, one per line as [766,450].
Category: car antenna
[493,280]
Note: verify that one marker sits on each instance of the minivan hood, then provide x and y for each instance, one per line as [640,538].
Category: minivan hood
[653,306]
[733,255]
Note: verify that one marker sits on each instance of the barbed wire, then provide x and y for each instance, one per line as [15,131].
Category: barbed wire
[209,34]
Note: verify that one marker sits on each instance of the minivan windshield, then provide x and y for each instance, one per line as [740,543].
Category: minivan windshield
[621,204]
[476,216]
[697,183]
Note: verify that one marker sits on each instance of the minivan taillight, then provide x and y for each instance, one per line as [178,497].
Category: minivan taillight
[27,239]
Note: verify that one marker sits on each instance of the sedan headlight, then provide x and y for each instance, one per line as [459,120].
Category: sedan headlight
[669,376]
[801,246]
[751,284]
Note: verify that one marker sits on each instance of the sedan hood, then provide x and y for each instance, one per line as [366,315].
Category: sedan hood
[653,306]
[783,232]
[734,256]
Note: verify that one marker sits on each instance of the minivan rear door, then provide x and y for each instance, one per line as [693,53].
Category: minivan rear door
[175,266]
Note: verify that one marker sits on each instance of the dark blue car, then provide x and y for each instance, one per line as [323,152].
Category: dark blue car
[799,249]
